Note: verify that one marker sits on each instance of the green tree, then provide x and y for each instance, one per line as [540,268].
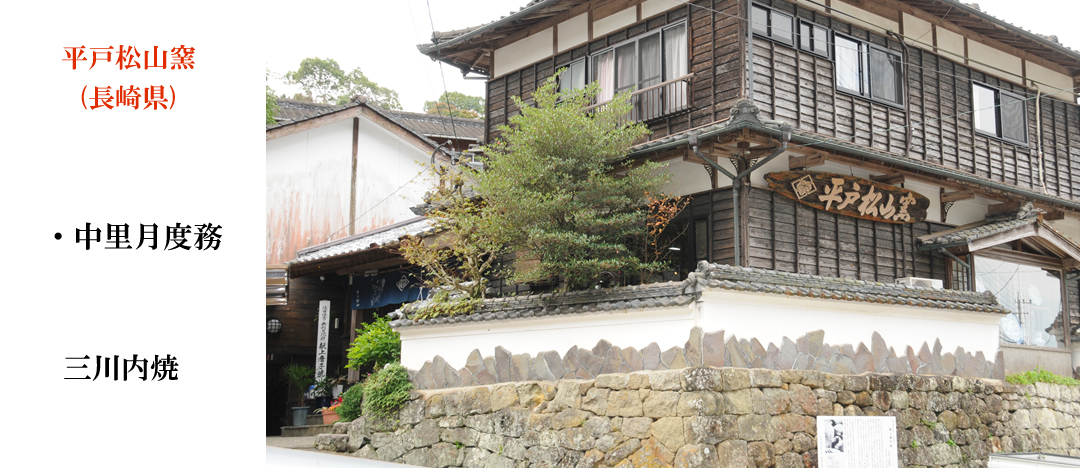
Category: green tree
[555,184]
[456,100]
[324,82]
[271,102]
[463,256]
[450,110]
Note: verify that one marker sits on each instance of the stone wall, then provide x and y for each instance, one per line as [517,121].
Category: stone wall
[709,417]
[807,352]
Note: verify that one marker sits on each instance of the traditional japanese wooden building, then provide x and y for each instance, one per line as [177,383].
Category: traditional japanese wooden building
[900,173]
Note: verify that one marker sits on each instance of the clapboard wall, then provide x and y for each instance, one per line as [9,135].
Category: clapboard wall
[788,236]
[716,51]
[799,87]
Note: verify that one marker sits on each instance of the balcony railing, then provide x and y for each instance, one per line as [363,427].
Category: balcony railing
[660,100]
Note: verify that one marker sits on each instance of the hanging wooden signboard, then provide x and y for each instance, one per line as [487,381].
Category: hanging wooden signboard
[851,196]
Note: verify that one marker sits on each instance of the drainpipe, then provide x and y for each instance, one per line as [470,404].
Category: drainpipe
[1038,136]
[736,180]
[907,94]
[749,60]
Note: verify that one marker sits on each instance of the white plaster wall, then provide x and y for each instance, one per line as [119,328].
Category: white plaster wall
[767,317]
[770,317]
[637,328]
[933,192]
[950,42]
[1055,80]
[654,7]
[690,177]
[524,52]
[864,15]
[1068,226]
[997,59]
[920,32]
[967,211]
[778,164]
[307,188]
[615,22]
[308,178]
[573,31]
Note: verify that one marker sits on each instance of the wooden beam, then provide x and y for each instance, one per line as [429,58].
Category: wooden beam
[891,179]
[957,196]
[802,162]
[1006,255]
[1054,215]
[1003,207]
[291,129]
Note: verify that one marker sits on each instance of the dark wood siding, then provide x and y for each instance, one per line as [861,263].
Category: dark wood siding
[723,228]
[788,236]
[715,60]
[299,319]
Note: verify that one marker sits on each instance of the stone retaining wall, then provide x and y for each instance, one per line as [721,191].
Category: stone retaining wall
[709,417]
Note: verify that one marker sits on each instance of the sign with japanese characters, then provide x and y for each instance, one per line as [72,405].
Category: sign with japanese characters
[857,442]
[322,341]
[851,196]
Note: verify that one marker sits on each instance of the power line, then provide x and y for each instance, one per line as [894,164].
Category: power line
[446,93]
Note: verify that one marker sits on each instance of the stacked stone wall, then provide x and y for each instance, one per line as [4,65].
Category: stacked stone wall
[710,417]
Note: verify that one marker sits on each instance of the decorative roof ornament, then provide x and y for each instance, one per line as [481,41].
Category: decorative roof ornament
[745,111]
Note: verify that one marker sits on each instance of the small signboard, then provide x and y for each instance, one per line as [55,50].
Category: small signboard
[323,340]
[851,196]
[857,442]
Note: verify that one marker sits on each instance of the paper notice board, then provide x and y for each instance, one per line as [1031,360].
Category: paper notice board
[857,442]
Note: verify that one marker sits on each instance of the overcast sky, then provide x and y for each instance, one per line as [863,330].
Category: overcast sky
[381,37]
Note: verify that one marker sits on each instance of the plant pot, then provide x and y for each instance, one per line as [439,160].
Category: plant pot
[323,401]
[330,416]
[299,415]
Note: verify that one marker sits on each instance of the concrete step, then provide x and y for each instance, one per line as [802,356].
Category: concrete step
[306,431]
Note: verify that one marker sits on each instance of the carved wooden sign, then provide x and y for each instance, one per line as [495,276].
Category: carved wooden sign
[851,196]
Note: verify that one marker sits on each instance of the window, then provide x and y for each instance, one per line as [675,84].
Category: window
[573,77]
[1031,294]
[999,113]
[813,38]
[643,62]
[869,71]
[773,24]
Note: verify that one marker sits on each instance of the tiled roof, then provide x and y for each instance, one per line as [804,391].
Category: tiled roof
[292,111]
[710,277]
[713,276]
[437,126]
[376,238]
[1027,215]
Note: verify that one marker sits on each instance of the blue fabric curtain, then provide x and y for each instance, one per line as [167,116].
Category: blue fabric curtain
[369,292]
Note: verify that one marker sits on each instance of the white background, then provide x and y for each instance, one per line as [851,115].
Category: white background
[63,166]
[203,161]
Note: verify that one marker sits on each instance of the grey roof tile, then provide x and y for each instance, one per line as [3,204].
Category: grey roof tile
[715,276]
[366,240]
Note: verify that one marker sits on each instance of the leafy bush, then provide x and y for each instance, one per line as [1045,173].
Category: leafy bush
[376,344]
[299,377]
[386,390]
[1040,375]
[351,402]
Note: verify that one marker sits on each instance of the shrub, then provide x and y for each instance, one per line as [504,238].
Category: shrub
[1040,375]
[351,402]
[299,377]
[376,344]
[386,390]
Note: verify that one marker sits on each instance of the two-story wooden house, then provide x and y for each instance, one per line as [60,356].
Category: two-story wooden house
[843,140]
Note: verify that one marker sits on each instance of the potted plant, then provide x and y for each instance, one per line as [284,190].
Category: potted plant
[324,391]
[329,415]
[299,377]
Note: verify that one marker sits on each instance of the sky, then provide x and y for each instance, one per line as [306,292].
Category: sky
[381,37]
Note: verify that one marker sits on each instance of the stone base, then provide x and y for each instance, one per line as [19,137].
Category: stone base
[306,431]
